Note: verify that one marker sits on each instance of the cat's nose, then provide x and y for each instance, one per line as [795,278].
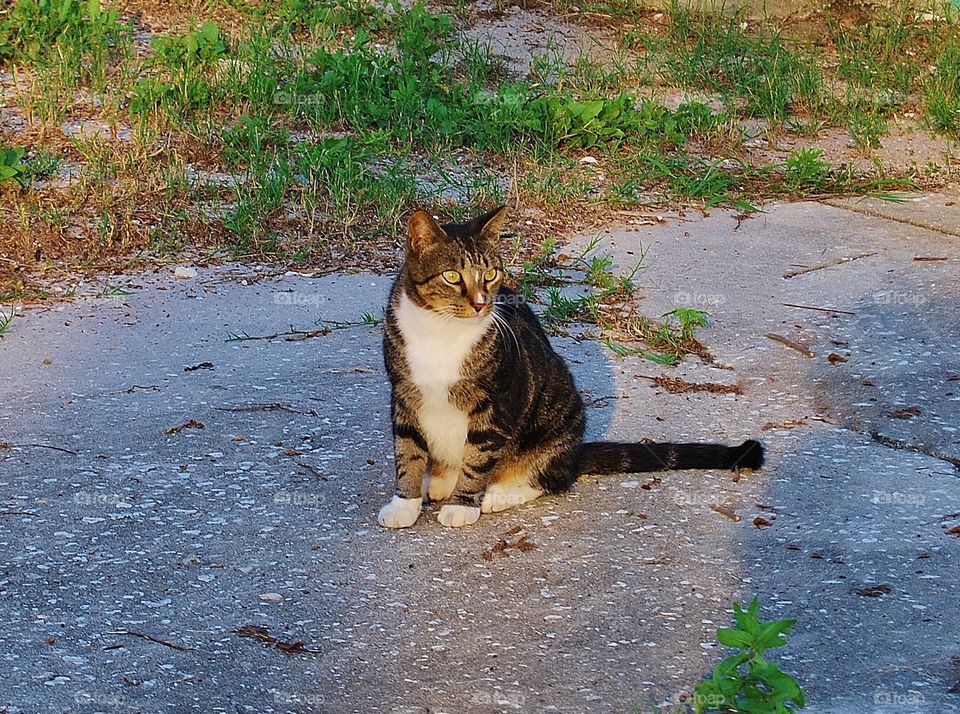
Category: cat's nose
[478,302]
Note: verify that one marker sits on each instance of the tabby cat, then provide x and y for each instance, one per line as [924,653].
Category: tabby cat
[480,400]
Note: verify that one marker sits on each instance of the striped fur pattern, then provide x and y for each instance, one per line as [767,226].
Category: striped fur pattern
[485,413]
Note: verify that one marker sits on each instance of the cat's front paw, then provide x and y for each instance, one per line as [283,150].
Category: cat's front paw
[440,488]
[456,516]
[400,512]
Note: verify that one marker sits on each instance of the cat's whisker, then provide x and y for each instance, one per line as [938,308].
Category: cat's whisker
[496,324]
[500,332]
[501,322]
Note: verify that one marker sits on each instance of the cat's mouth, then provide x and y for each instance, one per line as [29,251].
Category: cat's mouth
[476,309]
[471,313]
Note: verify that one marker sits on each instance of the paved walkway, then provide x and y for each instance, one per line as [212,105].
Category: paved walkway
[129,556]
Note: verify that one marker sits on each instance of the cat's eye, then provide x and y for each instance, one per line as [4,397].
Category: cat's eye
[452,276]
[491,275]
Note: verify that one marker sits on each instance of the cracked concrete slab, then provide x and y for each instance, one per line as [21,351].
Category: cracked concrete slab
[130,555]
[937,212]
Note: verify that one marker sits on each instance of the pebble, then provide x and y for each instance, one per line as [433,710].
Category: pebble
[183,273]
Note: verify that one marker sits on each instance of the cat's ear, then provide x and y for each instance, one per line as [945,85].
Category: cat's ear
[423,232]
[492,223]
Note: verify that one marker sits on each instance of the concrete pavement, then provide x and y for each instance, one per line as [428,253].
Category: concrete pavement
[130,556]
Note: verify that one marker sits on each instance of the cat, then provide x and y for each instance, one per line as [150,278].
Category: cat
[480,400]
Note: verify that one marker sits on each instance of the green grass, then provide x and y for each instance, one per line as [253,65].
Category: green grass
[51,31]
[69,43]
[942,91]
[6,320]
[879,60]
[805,170]
[331,118]
[756,73]
[878,54]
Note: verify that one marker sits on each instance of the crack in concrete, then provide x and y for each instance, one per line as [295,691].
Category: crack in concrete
[873,213]
[904,445]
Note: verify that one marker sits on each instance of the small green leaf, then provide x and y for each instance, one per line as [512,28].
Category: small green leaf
[730,637]
[210,32]
[591,109]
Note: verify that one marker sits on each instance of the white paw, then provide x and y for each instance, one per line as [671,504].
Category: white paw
[400,512]
[500,498]
[440,489]
[456,516]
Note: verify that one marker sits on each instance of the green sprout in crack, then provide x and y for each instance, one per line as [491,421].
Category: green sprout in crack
[561,309]
[366,319]
[746,681]
[6,319]
[690,320]
[622,350]
[115,291]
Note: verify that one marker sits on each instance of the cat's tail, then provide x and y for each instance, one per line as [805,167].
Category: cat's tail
[607,457]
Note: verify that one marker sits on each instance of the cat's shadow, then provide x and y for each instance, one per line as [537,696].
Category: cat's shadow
[593,373]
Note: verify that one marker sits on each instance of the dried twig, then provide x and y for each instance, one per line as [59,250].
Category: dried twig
[188,424]
[600,401]
[873,590]
[819,309]
[349,370]
[290,335]
[261,634]
[829,264]
[659,560]
[151,638]
[905,413]
[313,470]
[271,407]
[726,512]
[5,445]
[675,385]
[138,388]
[786,424]
[802,349]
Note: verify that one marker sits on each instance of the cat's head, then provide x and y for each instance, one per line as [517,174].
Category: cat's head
[455,269]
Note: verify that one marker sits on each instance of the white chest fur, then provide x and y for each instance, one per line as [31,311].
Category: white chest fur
[436,347]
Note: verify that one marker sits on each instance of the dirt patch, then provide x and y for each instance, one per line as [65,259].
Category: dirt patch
[525,34]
